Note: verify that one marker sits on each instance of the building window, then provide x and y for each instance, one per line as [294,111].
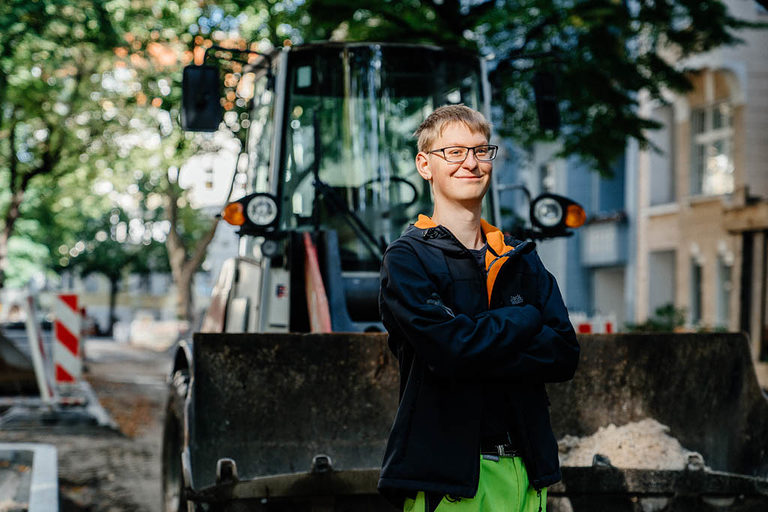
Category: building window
[608,193]
[662,162]
[661,279]
[695,303]
[723,292]
[712,150]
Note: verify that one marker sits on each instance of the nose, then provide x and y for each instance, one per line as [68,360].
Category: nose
[470,160]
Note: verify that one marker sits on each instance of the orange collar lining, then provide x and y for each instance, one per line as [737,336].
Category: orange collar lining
[495,239]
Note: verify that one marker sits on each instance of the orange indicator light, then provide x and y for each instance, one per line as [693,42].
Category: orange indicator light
[233,214]
[575,216]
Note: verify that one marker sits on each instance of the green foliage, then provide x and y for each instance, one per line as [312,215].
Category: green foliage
[113,245]
[50,52]
[666,318]
[24,255]
[89,93]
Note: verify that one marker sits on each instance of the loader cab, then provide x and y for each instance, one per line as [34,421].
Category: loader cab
[331,142]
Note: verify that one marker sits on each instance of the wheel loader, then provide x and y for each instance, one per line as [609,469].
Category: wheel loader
[284,400]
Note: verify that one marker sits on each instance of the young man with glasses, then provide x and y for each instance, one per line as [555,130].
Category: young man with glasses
[478,326]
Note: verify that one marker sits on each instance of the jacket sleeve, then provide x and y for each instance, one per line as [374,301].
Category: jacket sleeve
[453,345]
[554,351]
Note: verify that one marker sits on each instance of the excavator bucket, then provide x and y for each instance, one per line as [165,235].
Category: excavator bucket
[286,416]
[17,375]
[703,387]
[281,404]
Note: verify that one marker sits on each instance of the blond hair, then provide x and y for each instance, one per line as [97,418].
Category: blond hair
[435,123]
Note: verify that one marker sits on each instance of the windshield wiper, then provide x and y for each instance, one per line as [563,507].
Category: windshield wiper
[365,235]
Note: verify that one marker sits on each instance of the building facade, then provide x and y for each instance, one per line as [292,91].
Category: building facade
[702,198]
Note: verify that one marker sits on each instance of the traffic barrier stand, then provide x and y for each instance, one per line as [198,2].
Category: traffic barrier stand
[71,402]
[40,360]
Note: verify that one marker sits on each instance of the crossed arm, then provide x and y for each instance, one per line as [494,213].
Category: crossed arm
[509,343]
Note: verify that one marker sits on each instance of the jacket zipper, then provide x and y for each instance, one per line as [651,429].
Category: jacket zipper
[484,279]
[483,272]
[505,255]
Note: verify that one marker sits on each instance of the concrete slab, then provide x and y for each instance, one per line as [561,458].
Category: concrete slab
[84,410]
[29,476]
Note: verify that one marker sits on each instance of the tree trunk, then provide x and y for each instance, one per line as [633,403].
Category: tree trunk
[184,265]
[185,300]
[113,282]
[9,221]
[3,257]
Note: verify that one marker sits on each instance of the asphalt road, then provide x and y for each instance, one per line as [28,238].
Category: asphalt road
[104,470]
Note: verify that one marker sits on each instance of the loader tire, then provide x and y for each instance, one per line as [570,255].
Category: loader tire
[173,442]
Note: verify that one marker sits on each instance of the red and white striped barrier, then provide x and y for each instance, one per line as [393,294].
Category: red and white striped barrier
[67,352]
[598,324]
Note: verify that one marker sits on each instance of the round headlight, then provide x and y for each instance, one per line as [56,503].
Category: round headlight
[261,210]
[548,212]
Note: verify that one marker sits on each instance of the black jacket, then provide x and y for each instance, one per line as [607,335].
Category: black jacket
[456,329]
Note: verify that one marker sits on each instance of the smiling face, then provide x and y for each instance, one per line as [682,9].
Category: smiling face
[462,183]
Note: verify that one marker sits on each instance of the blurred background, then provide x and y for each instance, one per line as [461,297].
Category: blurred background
[652,115]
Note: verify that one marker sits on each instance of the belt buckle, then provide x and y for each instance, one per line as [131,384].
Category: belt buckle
[500,450]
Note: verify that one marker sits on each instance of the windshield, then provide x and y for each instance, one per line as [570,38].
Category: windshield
[350,117]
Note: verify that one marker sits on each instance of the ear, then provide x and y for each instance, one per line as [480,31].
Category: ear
[422,166]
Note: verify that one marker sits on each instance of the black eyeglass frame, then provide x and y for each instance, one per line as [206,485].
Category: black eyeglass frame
[493,149]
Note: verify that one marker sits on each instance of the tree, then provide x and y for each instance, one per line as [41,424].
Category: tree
[49,52]
[157,41]
[601,52]
[102,249]
[113,245]
[53,215]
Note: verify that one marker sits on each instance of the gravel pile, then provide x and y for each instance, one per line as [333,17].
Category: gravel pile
[643,444]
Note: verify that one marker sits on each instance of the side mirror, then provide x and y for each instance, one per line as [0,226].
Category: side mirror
[201,99]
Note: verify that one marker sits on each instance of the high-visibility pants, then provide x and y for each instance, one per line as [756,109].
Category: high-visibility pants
[503,487]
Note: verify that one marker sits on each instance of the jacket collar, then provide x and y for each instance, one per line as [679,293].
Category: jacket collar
[493,236]
[494,258]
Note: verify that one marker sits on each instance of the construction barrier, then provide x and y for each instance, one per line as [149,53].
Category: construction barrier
[598,324]
[67,353]
[37,350]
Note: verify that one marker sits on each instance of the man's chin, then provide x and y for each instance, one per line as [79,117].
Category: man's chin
[466,200]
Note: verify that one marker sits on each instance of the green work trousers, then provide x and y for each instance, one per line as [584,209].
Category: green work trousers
[503,487]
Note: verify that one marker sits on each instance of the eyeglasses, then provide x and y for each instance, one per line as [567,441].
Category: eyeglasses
[457,154]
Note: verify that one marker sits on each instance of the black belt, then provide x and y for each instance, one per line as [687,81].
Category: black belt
[499,450]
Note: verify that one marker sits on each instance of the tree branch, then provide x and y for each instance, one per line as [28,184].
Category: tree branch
[201,248]
[175,243]
[202,245]
[14,159]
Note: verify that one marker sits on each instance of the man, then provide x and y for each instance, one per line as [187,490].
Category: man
[478,326]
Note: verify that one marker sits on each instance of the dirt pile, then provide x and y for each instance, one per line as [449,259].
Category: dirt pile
[643,444]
